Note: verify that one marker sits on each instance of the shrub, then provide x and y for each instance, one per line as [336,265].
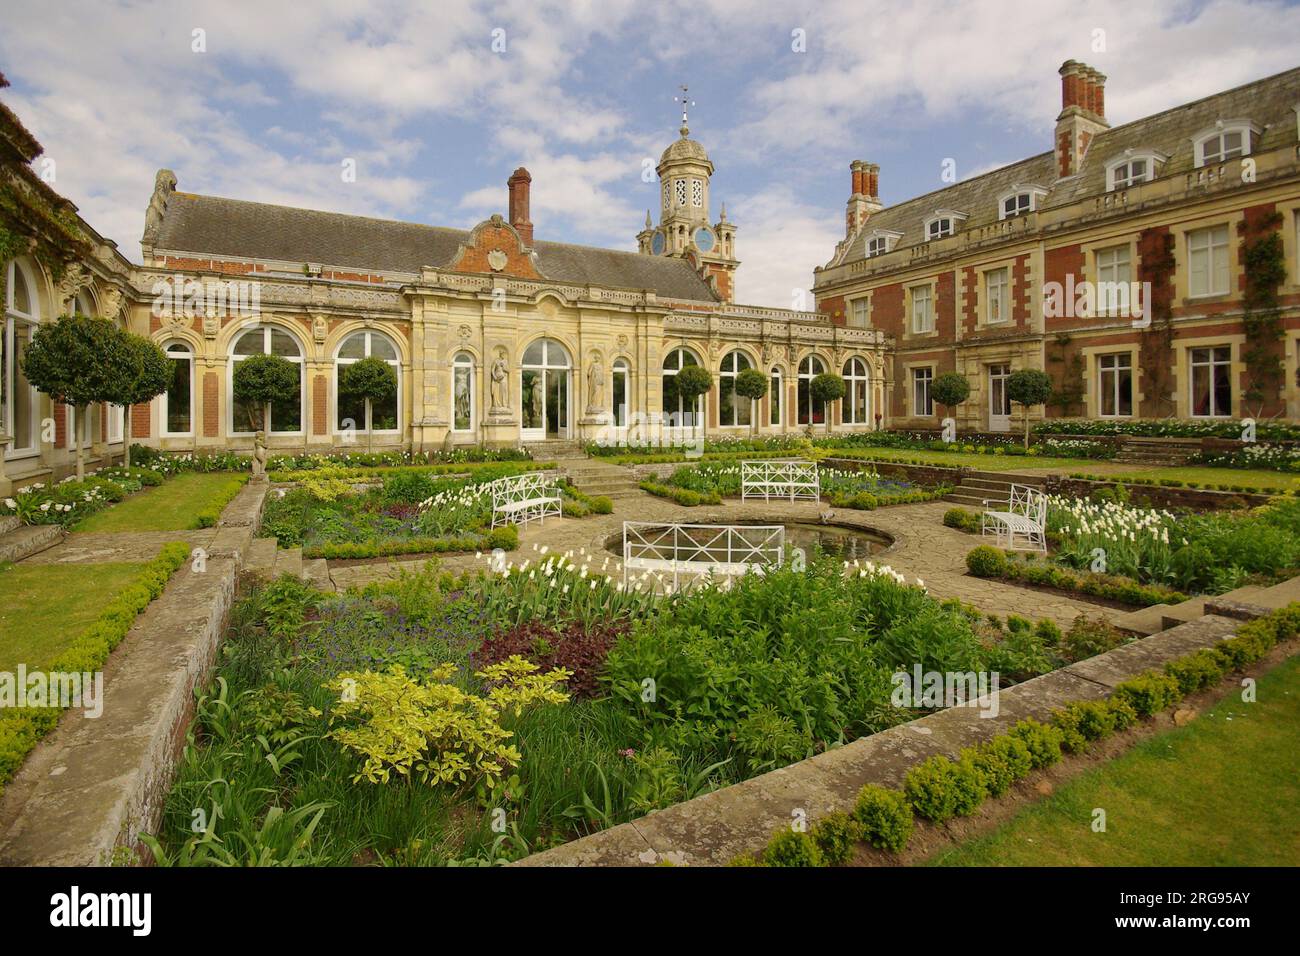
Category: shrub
[963,519]
[986,561]
[1149,693]
[792,847]
[1043,742]
[884,817]
[1088,637]
[601,505]
[836,834]
[1196,671]
[1123,713]
[1002,761]
[939,789]
[505,537]
[1082,722]
[577,647]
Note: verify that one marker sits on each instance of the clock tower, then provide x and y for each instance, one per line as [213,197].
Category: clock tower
[684,229]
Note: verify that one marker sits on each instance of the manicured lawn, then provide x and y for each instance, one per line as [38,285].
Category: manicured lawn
[46,606]
[1222,791]
[954,459]
[175,505]
[1253,477]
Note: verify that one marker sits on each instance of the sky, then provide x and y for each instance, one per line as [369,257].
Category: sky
[435,103]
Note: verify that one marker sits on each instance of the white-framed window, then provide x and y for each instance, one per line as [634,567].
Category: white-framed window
[1131,172]
[287,417]
[1211,382]
[938,227]
[463,401]
[1115,391]
[997,294]
[177,409]
[1114,276]
[857,383]
[922,403]
[680,411]
[1016,204]
[810,412]
[19,400]
[366,416]
[88,432]
[922,308]
[621,393]
[680,187]
[733,409]
[877,245]
[1226,141]
[860,313]
[775,396]
[697,192]
[1207,261]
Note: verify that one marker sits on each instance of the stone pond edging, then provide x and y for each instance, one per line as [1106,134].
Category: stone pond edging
[715,828]
[92,786]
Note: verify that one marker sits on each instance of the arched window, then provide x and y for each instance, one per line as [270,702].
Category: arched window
[775,396]
[178,400]
[462,393]
[856,383]
[733,409]
[18,399]
[620,393]
[680,411]
[286,416]
[544,382]
[810,412]
[351,413]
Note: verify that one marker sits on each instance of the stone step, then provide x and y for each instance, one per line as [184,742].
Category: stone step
[1144,621]
[9,523]
[259,559]
[288,561]
[27,540]
[316,572]
[969,501]
[989,483]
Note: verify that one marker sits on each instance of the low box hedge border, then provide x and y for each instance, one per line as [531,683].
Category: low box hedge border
[360,473]
[21,729]
[941,788]
[986,561]
[506,538]
[210,516]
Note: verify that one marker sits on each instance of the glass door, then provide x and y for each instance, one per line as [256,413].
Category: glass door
[999,402]
[557,403]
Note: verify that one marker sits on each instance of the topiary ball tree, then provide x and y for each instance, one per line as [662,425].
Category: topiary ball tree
[751,384]
[1027,387]
[78,360]
[371,379]
[150,372]
[692,382]
[261,380]
[950,389]
[825,388]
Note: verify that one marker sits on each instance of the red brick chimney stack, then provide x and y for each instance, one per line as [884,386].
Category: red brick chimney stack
[519,184]
[855,168]
[871,179]
[1084,87]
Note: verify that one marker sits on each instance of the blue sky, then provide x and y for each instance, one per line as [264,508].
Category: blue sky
[583,92]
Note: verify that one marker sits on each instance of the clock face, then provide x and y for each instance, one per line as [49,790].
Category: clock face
[657,244]
[703,240]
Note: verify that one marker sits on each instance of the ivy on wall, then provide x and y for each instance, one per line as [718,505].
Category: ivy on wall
[1265,270]
[1067,391]
[1156,249]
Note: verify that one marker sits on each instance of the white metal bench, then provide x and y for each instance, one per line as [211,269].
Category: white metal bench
[519,499]
[769,478]
[700,549]
[1023,525]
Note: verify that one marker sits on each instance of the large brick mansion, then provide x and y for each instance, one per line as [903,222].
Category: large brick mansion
[500,338]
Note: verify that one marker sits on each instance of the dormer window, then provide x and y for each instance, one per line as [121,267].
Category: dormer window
[1226,140]
[942,223]
[1019,200]
[1133,168]
[878,243]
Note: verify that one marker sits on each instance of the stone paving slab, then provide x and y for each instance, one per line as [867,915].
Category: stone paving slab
[104,546]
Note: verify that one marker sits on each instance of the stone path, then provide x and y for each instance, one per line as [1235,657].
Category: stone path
[923,548]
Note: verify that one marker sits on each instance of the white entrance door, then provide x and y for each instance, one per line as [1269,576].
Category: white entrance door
[544,391]
[999,403]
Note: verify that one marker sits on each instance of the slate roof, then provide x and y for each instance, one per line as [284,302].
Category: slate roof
[1268,103]
[213,226]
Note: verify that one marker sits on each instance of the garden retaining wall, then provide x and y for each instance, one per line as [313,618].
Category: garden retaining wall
[713,829]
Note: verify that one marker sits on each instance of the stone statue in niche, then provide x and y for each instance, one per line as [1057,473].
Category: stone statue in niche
[595,384]
[500,387]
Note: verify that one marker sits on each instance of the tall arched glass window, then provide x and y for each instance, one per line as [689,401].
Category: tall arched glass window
[178,400]
[680,411]
[733,409]
[544,384]
[620,393]
[810,412]
[462,393]
[286,416]
[855,409]
[19,401]
[775,396]
[382,415]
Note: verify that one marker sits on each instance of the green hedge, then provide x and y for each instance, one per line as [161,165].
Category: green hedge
[21,729]
[209,516]
[683,496]
[986,561]
[506,538]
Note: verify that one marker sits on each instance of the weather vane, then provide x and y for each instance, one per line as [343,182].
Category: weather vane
[686,102]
